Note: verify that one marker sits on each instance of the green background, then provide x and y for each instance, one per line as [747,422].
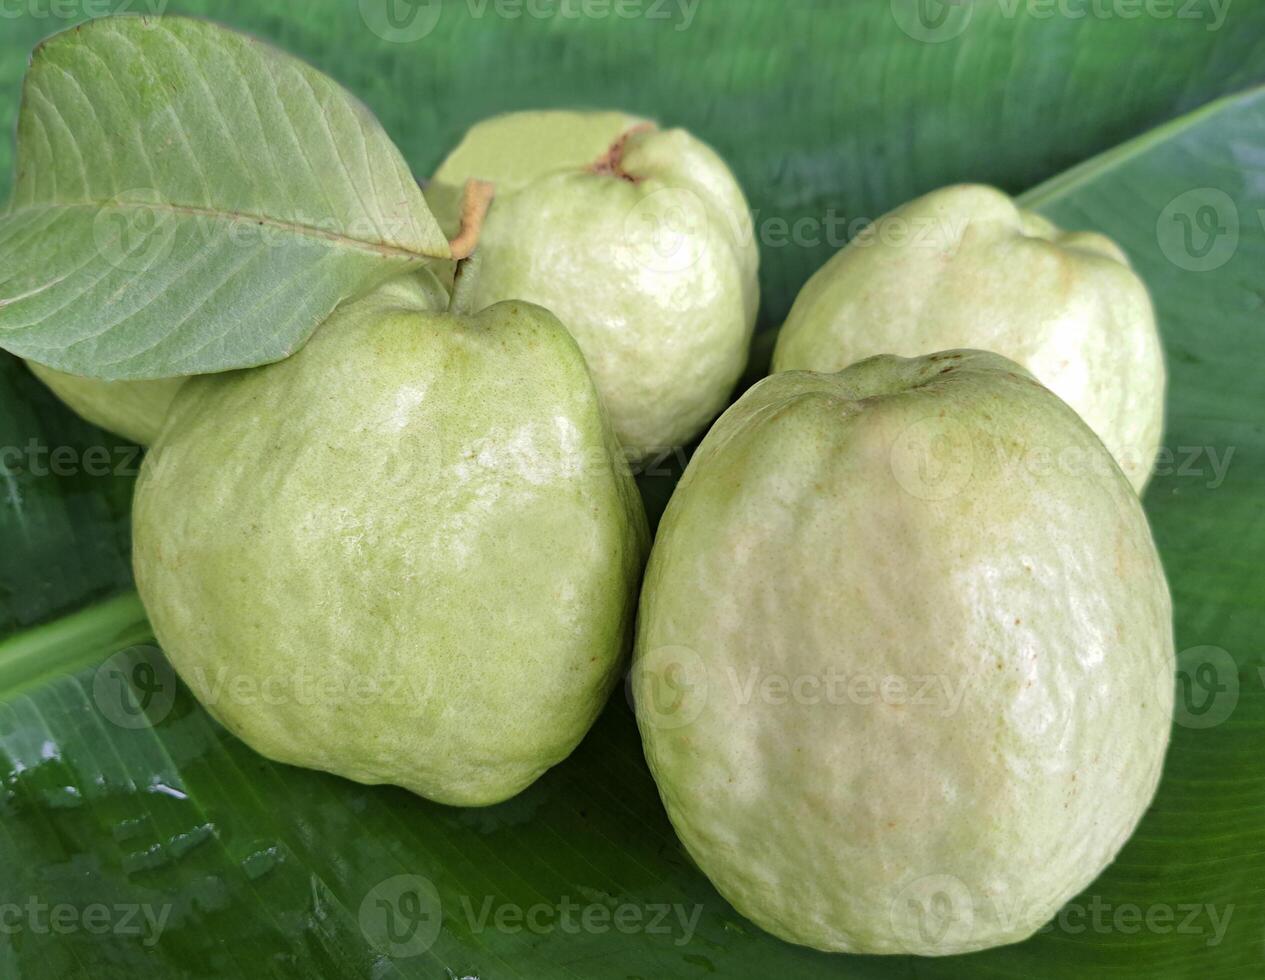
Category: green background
[841,109]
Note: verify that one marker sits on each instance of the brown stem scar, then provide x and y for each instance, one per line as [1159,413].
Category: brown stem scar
[475,201]
[610,163]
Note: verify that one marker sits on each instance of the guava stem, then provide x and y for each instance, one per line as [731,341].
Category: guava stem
[475,201]
[462,284]
[611,163]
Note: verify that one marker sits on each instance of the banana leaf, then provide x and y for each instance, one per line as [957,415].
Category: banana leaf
[137,837]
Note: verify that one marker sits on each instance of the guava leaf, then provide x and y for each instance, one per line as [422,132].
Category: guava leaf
[190,200]
[257,869]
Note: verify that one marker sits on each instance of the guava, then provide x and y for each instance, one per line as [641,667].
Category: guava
[640,240]
[407,554]
[964,267]
[135,410]
[904,663]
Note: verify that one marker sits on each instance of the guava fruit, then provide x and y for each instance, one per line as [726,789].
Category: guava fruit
[964,267]
[132,409]
[904,663]
[407,554]
[639,239]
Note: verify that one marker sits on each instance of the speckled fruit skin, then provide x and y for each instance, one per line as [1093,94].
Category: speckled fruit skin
[948,524]
[964,267]
[135,410]
[639,239]
[407,554]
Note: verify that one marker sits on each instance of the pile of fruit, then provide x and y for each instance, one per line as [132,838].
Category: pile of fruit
[903,623]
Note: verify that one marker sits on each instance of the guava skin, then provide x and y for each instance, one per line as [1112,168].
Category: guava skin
[134,410]
[964,267]
[645,250]
[413,545]
[514,149]
[904,521]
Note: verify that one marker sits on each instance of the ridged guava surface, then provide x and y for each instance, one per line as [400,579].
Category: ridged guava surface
[639,239]
[904,665]
[964,267]
[407,554]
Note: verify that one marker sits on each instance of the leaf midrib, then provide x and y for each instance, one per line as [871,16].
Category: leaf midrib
[1068,181]
[66,645]
[391,251]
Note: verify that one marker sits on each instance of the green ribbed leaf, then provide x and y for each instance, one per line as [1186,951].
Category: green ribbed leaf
[190,200]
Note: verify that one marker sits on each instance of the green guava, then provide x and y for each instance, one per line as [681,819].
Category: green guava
[904,664]
[407,554]
[639,239]
[135,410]
[964,267]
